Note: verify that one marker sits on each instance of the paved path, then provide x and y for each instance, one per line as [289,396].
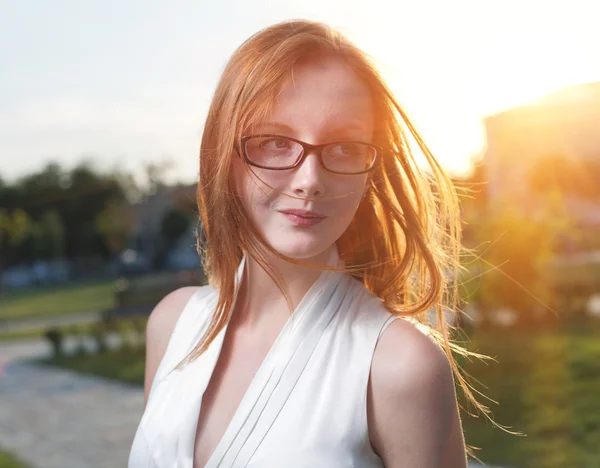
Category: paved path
[51,417]
[54,418]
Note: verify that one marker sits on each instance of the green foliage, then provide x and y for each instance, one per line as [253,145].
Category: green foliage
[55,336]
[138,325]
[173,225]
[53,212]
[15,226]
[80,212]
[125,362]
[7,460]
[99,331]
[513,258]
[47,301]
[568,175]
[18,227]
[31,240]
[18,335]
[123,365]
[53,234]
[78,333]
[115,224]
[130,340]
[546,384]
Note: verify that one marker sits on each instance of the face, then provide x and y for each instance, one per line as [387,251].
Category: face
[308,208]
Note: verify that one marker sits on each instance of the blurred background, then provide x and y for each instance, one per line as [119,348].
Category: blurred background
[101,112]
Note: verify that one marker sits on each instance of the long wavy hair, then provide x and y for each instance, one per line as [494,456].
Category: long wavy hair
[404,241]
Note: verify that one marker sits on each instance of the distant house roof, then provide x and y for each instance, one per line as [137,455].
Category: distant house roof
[580,95]
[564,123]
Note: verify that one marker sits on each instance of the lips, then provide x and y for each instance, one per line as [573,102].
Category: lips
[303,218]
[304,214]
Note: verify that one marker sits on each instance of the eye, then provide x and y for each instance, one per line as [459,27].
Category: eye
[275,143]
[351,149]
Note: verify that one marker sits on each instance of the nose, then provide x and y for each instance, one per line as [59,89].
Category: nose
[307,179]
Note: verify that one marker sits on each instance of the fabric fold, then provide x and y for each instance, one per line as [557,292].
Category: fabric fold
[174,437]
[280,371]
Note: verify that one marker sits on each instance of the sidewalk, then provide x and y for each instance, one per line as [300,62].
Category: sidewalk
[50,417]
[54,418]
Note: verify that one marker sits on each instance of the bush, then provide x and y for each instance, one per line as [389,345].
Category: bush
[55,336]
[129,341]
[99,333]
[139,326]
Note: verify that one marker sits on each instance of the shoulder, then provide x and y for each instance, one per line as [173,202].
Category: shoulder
[407,360]
[166,313]
[160,326]
[369,309]
[412,400]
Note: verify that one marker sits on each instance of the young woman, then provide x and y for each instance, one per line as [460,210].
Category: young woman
[327,249]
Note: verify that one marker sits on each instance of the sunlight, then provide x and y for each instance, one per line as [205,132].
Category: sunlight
[493,56]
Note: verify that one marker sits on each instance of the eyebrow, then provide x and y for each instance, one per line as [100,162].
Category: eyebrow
[275,125]
[287,128]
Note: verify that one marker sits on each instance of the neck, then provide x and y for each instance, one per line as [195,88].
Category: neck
[261,304]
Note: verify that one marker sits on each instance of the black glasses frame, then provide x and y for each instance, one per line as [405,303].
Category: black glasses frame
[306,148]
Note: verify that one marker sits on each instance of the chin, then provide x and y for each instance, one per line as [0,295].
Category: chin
[301,251]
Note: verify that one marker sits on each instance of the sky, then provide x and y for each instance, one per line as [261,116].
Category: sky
[124,83]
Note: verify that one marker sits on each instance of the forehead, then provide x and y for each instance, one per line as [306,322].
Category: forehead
[323,92]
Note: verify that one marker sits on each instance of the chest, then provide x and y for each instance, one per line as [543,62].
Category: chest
[239,405]
[240,359]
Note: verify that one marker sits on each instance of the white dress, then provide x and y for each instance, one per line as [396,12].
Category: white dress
[305,407]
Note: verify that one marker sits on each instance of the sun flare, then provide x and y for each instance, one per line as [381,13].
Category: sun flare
[475,59]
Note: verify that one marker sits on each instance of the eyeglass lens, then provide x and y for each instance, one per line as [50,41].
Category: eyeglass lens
[280,153]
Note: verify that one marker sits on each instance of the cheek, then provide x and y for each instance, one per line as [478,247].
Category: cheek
[348,204]
[355,192]
[241,180]
[247,187]
[244,188]
[253,187]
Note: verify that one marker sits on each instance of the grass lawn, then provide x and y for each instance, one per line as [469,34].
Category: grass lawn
[124,365]
[8,461]
[547,384]
[46,301]
[84,328]
[22,334]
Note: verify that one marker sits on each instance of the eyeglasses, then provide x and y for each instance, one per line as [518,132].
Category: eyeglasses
[278,153]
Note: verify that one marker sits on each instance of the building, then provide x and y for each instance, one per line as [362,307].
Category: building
[149,213]
[565,126]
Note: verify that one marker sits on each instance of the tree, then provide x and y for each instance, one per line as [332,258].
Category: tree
[115,225]
[67,212]
[15,227]
[516,253]
[53,234]
[4,233]
[77,196]
[18,227]
[567,175]
[43,239]
[156,175]
[173,225]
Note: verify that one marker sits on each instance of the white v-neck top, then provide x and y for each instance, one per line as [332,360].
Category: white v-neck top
[305,407]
